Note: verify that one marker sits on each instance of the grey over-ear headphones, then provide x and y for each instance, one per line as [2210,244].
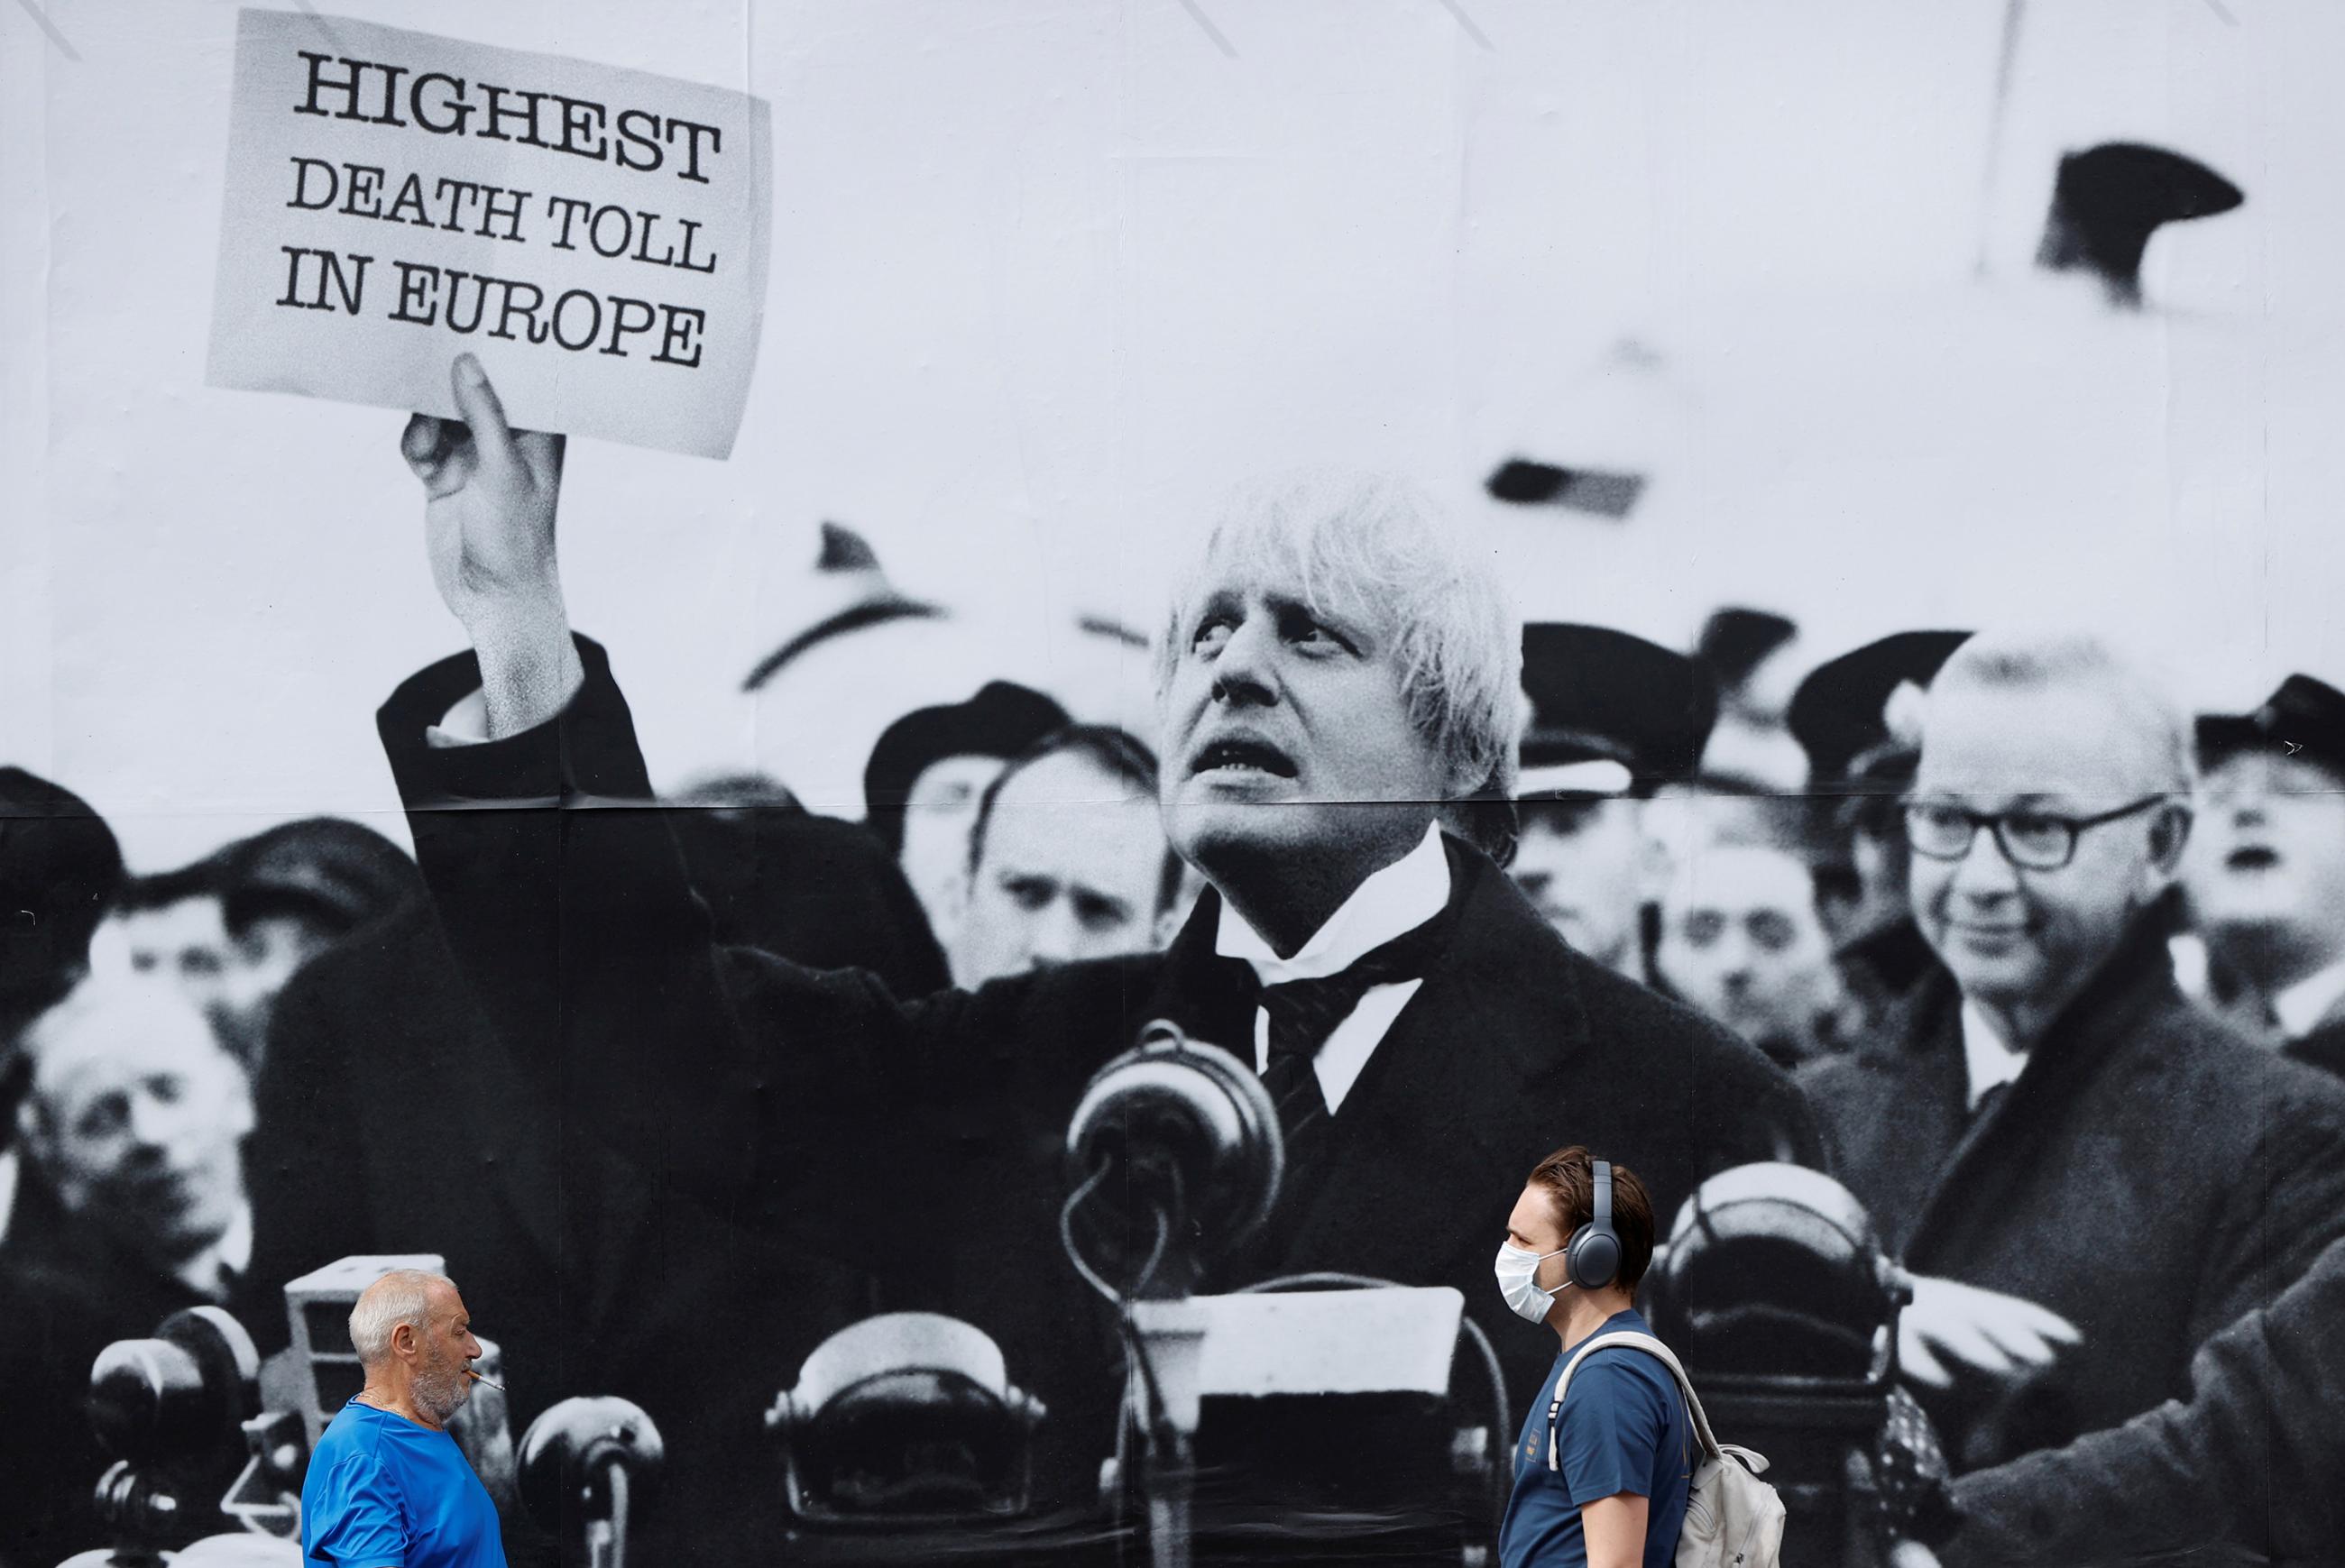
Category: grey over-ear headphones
[1591,1259]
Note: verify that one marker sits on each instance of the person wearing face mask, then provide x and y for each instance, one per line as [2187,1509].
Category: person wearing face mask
[1606,1484]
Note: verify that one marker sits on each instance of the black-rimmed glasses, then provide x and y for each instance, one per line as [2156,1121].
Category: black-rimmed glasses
[2031,840]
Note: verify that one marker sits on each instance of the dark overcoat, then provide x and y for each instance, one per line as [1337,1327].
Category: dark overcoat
[68,1289]
[391,1118]
[818,1107]
[2244,1470]
[2323,1045]
[2150,1176]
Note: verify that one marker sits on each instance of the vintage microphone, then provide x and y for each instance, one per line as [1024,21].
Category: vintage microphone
[904,1421]
[1175,1159]
[588,1465]
[171,1409]
[1175,1144]
[1776,1294]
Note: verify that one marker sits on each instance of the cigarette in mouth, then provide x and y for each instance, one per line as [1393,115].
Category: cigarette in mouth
[478,1379]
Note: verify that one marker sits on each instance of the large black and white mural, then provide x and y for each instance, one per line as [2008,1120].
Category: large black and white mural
[943,734]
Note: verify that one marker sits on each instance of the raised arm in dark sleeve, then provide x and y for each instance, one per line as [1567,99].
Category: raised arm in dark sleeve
[568,909]
[574,921]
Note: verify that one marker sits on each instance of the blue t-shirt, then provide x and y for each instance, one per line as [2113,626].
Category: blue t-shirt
[1623,1428]
[384,1492]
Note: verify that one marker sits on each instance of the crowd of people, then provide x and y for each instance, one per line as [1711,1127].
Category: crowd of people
[2048,973]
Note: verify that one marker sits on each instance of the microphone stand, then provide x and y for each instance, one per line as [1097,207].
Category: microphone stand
[580,1466]
[1187,1129]
[1168,1469]
[606,1537]
[1164,1338]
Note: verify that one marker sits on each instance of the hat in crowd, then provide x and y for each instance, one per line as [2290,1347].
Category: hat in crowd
[1840,714]
[861,596]
[815,890]
[1527,481]
[1001,721]
[2107,200]
[2304,718]
[1736,640]
[1611,713]
[59,870]
[328,871]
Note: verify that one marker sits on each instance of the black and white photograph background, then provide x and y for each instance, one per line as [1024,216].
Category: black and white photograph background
[1732,365]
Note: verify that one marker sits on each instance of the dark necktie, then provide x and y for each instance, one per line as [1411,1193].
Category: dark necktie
[1303,1013]
[1992,1098]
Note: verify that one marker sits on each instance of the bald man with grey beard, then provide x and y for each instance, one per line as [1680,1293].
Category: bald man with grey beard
[387,1486]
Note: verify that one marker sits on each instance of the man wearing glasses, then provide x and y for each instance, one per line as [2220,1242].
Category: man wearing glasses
[2085,1176]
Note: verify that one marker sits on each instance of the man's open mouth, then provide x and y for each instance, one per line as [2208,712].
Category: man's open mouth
[2252,857]
[1241,751]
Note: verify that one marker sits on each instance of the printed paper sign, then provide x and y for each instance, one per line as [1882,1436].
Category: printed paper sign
[596,236]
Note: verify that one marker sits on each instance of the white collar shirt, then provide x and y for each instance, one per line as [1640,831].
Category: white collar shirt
[2305,1004]
[208,1271]
[1394,901]
[1990,1062]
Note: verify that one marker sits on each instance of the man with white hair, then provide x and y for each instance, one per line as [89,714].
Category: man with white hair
[136,1126]
[132,1206]
[386,1483]
[2086,1176]
[1338,690]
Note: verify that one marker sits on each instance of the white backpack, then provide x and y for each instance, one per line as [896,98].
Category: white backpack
[1733,1519]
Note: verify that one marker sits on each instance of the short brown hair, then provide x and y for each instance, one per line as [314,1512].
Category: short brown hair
[1570,1177]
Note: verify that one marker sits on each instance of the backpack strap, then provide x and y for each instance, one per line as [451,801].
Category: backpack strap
[1651,1346]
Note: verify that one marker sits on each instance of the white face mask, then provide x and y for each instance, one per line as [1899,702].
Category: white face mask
[1517,1269]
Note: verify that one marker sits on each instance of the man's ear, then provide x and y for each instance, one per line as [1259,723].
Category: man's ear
[36,1130]
[403,1340]
[1657,856]
[1176,914]
[2169,836]
[959,890]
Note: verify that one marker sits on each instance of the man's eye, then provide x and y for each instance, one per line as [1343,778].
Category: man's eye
[1028,894]
[1212,633]
[1305,631]
[2035,828]
[200,961]
[107,1115]
[1772,930]
[1101,914]
[1704,927]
